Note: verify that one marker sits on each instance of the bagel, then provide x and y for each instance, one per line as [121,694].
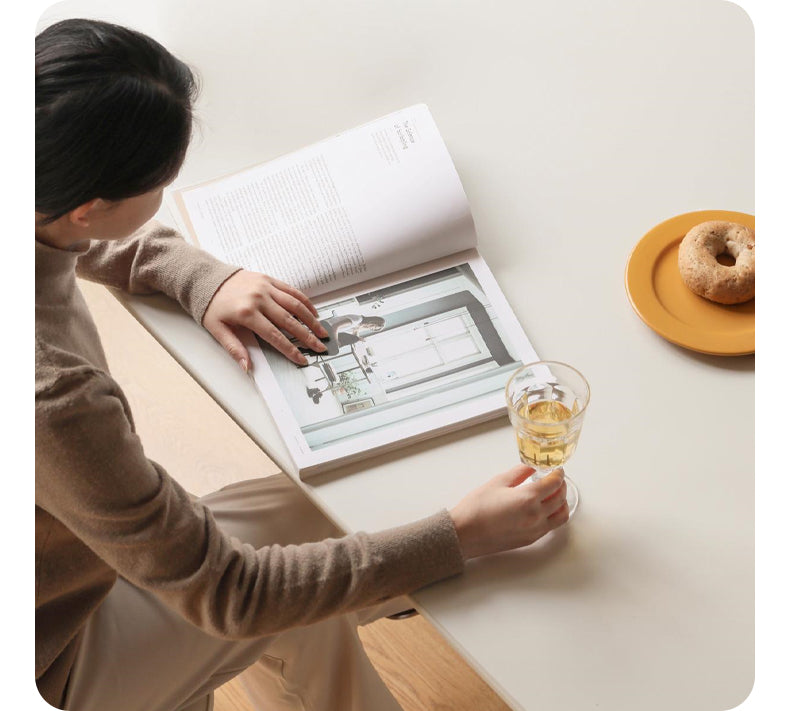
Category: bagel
[704,275]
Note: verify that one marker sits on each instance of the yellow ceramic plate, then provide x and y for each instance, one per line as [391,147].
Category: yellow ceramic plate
[665,303]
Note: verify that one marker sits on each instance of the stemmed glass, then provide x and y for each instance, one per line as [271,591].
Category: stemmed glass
[546,402]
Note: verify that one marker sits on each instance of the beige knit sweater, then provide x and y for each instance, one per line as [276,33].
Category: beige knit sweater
[103,509]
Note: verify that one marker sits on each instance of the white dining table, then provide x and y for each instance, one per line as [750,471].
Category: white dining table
[575,127]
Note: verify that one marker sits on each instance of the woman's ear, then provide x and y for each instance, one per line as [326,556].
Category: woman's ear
[81,216]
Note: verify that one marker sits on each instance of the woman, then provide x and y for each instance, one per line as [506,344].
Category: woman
[147,598]
[346,329]
[349,328]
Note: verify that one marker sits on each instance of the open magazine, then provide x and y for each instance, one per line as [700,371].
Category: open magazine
[374,226]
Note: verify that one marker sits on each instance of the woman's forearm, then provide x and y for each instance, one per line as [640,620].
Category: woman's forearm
[157,259]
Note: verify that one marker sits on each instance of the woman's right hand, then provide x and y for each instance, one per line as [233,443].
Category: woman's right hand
[501,515]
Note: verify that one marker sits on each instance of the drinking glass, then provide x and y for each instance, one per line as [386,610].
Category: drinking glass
[546,402]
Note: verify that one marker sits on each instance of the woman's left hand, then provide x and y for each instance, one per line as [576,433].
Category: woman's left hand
[263,305]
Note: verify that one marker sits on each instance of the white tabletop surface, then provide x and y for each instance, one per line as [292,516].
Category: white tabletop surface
[575,126]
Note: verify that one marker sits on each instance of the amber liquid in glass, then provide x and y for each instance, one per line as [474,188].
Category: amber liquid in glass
[545,440]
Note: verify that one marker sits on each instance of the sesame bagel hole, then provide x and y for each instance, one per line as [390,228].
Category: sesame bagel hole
[725,259]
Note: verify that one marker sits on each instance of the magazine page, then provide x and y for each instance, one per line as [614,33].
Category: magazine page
[367,202]
[428,349]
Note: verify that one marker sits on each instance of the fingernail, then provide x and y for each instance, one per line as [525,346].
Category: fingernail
[243,364]
[320,347]
[302,360]
[323,332]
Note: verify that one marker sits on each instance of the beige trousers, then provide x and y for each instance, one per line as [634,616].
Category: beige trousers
[138,655]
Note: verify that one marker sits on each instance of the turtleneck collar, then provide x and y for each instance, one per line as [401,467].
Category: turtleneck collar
[55,269]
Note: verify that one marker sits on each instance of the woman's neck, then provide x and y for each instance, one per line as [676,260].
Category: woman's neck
[53,234]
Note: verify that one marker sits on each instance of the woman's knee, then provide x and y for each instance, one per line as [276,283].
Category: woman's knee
[269,510]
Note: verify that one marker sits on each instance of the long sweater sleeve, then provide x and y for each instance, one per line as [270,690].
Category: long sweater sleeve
[157,259]
[93,476]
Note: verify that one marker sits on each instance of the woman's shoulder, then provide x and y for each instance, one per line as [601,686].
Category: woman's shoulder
[62,374]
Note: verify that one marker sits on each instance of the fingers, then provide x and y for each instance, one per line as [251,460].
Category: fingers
[549,484]
[560,516]
[272,335]
[264,305]
[555,501]
[555,505]
[299,316]
[231,343]
[299,296]
[515,476]
[284,320]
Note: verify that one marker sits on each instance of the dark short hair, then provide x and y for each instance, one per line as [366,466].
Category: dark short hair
[113,114]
